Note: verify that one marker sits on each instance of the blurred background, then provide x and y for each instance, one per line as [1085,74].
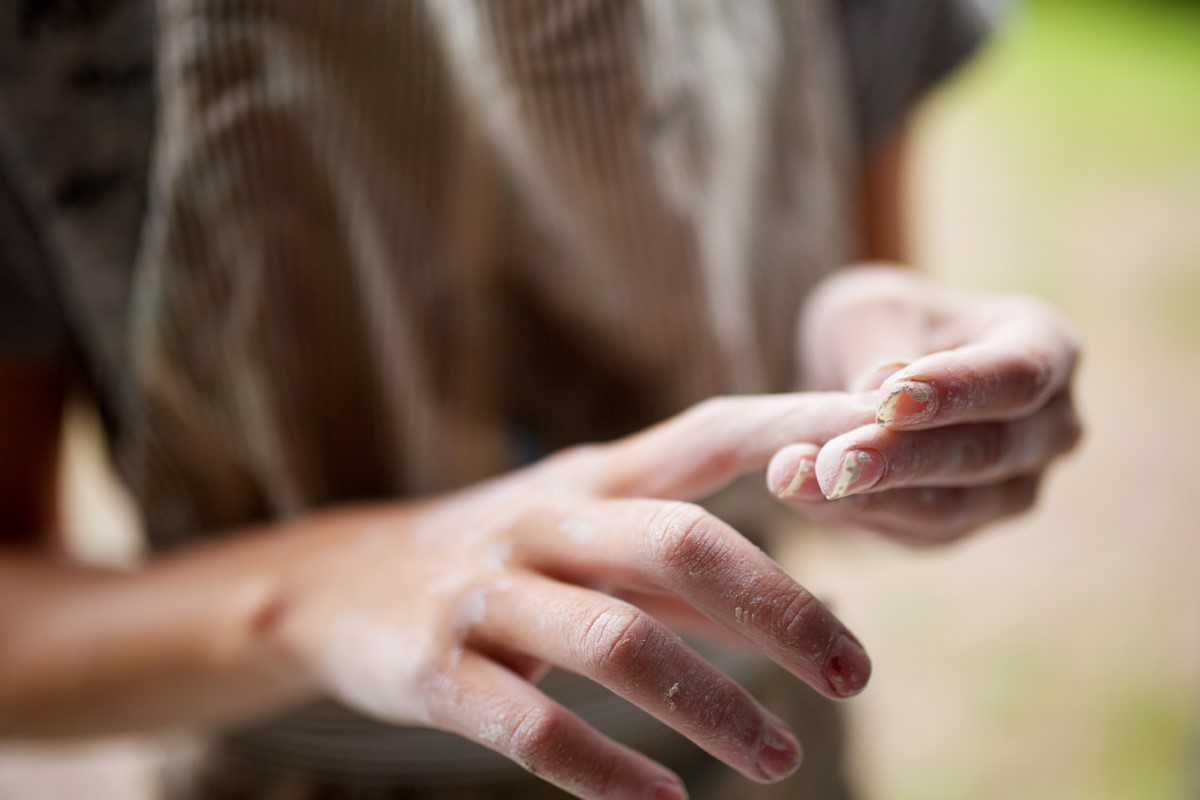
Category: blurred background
[1059,657]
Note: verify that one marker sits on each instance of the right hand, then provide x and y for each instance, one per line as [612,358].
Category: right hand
[445,613]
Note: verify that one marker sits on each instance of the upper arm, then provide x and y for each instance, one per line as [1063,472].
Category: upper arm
[895,53]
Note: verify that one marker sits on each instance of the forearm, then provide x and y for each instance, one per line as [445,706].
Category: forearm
[885,233]
[31,403]
[184,640]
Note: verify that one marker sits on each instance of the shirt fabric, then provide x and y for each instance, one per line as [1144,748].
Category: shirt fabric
[309,252]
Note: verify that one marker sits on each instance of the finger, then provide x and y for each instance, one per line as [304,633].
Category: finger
[874,376]
[874,459]
[1011,371]
[630,652]
[681,617]
[928,515]
[682,548]
[482,701]
[792,473]
[701,450]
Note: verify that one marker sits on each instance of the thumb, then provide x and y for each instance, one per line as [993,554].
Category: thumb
[877,344]
[864,327]
[701,450]
[874,377]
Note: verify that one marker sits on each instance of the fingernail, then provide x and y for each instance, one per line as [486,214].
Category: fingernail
[787,475]
[908,403]
[848,668]
[780,754]
[861,469]
[667,791]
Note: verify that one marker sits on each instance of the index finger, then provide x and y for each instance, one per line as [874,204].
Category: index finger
[1010,372]
[700,450]
[682,548]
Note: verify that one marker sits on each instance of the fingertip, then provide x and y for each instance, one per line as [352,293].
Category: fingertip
[791,469]
[780,754]
[829,464]
[907,404]
[849,472]
[849,668]
[667,790]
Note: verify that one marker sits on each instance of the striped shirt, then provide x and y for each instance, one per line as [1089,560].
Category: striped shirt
[307,252]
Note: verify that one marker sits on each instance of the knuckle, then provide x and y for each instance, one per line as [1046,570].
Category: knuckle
[961,389]
[1031,377]
[796,612]
[437,687]
[718,460]
[533,514]
[727,712]
[707,411]
[683,538]
[991,447]
[536,734]
[707,416]
[710,454]
[613,642]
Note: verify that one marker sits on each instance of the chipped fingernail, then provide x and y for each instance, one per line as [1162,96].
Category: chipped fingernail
[848,668]
[780,754]
[861,469]
[787,475]
[908,403]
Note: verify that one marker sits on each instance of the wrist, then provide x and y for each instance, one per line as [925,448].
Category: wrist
[275,613]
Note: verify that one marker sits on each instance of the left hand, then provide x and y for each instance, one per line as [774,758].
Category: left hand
[976,405]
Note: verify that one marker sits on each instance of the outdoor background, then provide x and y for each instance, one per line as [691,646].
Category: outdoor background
[1057,657]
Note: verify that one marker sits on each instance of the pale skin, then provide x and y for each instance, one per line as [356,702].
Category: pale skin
[444,612]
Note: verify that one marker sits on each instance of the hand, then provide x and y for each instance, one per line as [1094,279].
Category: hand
[446,614]
[976,405]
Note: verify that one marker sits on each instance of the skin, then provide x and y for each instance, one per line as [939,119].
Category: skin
[445,611]
[977,405]
[442,612]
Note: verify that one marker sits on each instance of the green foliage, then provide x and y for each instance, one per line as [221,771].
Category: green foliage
[1081,82]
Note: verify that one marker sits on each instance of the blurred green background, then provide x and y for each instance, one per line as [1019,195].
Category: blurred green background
[1058,658]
